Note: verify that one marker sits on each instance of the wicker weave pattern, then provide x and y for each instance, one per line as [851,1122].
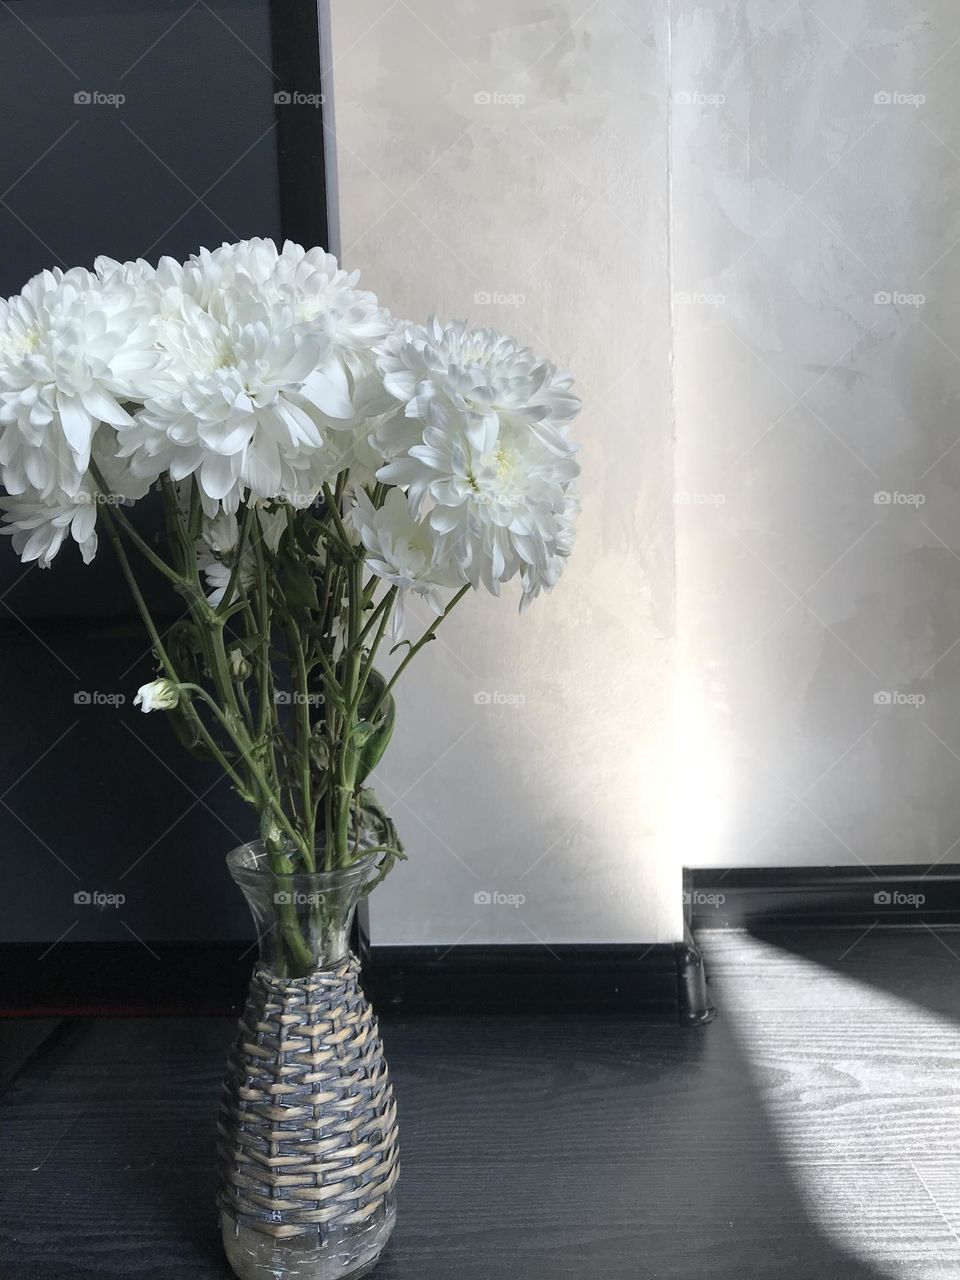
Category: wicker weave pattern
[308,1125]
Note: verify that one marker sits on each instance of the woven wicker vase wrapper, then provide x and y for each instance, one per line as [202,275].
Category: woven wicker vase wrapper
[308,1146]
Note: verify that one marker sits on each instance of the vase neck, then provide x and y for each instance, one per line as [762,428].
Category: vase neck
[303,919]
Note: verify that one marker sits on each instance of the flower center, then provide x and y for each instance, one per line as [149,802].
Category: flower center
[23,342]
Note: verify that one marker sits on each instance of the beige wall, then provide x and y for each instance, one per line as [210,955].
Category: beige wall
[818,627]
[814,168]
[517,151]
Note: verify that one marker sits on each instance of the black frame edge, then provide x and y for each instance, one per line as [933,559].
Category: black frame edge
[896,896]
[295,37]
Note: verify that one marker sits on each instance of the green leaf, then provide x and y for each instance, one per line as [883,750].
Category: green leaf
[377,824]
[296,580]
[248,644]
[375,742]
[361,733]
[185,649]
[185,728]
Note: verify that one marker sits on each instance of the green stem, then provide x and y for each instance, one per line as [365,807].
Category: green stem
[385,606]
[298,664]
[209,623]
[290,931]
[227,600]
[163,658]
[333,505]
[269,725]
[415,649]
[142,546]
[347,753]
[267,708]
[266,791]
[388,600]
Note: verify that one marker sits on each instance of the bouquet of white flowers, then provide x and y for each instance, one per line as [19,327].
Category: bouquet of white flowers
[318,461]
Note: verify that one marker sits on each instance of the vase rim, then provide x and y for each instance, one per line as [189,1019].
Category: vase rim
[249,862]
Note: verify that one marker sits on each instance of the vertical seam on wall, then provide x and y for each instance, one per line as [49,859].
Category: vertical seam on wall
[325,24]
[673,852]
[671,309]
[672,327]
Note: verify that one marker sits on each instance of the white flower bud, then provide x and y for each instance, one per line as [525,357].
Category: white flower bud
[159,695]
[240,668]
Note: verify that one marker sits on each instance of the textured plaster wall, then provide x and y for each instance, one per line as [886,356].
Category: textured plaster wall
[816,172]
[806,244]
[506,161]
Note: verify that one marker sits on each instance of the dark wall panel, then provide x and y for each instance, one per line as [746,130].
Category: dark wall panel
[188,158]
[94,796]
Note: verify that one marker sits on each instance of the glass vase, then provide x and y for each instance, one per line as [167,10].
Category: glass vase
[308,1147]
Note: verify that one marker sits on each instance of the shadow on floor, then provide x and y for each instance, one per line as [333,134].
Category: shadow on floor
[920,965]
[540,1147]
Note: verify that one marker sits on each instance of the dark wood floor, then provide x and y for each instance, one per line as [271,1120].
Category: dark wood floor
[813,1131]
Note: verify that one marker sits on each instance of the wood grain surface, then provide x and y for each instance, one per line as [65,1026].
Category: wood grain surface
[813,1132]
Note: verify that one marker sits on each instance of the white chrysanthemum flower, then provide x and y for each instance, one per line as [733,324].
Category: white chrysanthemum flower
[309,281]
[217,573]
[490,452]
[72,351]
[39,525]
[535,580]
[266,355]
[216,550]
[273,525]
[221,532]
[402,551]
[139,273]
[244,417]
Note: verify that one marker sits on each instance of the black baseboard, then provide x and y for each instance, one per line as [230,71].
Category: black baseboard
[103,979]
[659,983]
[768,897]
